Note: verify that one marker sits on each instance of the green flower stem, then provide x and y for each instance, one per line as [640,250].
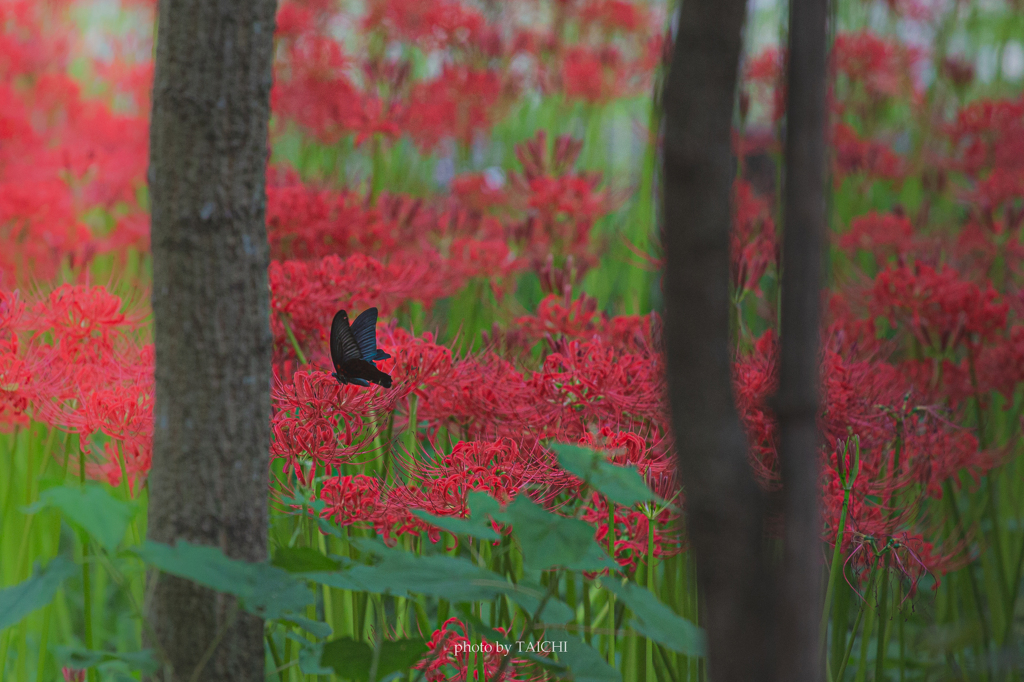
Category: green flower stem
[650,586]
[294,341]
[990,489]
[835,568]
[853,633]
[954,510]
[588,613]
[848,478]
[611,597]
[43,639]
[883,626]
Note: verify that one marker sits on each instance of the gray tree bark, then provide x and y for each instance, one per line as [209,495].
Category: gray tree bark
[797,402]
[211,310]
[724,505]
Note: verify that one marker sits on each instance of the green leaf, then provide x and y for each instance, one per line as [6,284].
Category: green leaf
[622,485]
[77,657]
[474,527]
[262,589]
[457,580]
[586,664]
[657,621]
[92,509]
[302,560]
[18,601]
[550,540]
[313,627]
[353,660]
[309,655]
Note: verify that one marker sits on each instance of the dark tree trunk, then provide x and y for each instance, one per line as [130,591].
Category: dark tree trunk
[724,505]
[211,310]
[796,404]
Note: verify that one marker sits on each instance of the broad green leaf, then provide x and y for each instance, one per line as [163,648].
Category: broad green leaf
[352,659]
[18,601]
[622,485]
[457,580]
[77,657]
[313,627]
[586,664]
[550,540]
[262,589]
[657,621]
[303,559]
[478,528]
[92,509]
[481,505]
[309,655]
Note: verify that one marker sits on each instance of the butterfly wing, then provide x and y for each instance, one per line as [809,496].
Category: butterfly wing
[343,342]
[364,329]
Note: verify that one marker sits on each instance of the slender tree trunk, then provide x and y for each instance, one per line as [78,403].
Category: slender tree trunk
[797,402]
[724,505]
[208,154]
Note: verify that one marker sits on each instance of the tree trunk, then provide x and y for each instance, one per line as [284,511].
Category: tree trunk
[724,505]
[797,402]
[211,310]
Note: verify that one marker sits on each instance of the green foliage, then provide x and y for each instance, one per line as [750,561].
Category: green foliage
[76,657]
[400,573]
[456,526]
[655,620]
[261,589]
[586,664]
[550,540]
[92,509]
[303,560]
[34,593]
[622,485]
[354,660]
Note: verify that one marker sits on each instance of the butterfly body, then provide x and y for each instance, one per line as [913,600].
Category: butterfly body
[354,350]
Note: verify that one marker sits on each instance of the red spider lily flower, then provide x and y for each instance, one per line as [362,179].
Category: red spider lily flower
[450,647]
[989,134]
[560,315]
[1000,367]
[350,499]
[73,674]
[84,319]
[560,206]
[431,24]
[293,20]
[753,245]
[629,448]
[876,68]
[631,531]
[460,103]
[415,363]
[856,155]
[882,235]
[120,459]
[501,468]
[998,200]
[316,419]
[37,223]
[480,191]
[592,75]
[312,87]
[938,308]
[763,75]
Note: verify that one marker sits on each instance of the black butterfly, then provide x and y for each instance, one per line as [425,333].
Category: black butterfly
[354,349]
